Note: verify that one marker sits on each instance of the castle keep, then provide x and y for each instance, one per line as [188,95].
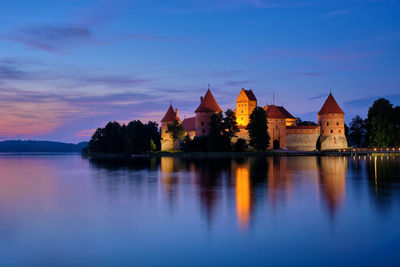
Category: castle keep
[282,128]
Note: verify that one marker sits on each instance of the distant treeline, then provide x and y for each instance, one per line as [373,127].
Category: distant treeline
[16,146]
[381,128]
[133,138]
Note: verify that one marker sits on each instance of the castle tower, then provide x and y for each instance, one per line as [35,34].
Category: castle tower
[331,121]
[167,143]
[276,127]
[208,106]
[245,103]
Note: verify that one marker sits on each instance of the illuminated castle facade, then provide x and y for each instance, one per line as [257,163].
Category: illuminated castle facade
[282,128]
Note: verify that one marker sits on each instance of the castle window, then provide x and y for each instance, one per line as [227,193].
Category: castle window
[327,124]
[340,131]
[276,127]
[202,123]
[331,131]
[242,111]
[337,124]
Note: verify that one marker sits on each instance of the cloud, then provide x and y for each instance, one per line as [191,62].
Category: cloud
[368,101]
[332,55]
[238,83]
[9,72]
[53,39]
[149,37]
[310,74]
[339,12]
[199,6]
[317,97]
[226,73]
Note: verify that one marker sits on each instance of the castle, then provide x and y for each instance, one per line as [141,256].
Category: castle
[282,128]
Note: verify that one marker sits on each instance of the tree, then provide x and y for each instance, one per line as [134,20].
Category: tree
[96,143]
[176,131]
[258,129]
[357,131]
[240,145]
[230,126]
[380,124]
[396,112]
[113,138]
[187,143]
[217,141]
[307,123]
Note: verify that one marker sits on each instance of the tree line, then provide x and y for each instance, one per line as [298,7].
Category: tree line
[381,128]
[133,138]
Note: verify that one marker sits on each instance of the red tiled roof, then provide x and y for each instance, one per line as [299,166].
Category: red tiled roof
[285,112]
[208,104]
[274,112]
[170,115]
[189,124]
[330,106]
[250,95]
[302,127]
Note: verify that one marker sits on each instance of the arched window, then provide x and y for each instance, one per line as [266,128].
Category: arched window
[337,124]
[327,124]
[331,131]
[202,123]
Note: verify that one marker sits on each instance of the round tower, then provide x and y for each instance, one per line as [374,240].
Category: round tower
[208,106]
[331,121]
[167,143]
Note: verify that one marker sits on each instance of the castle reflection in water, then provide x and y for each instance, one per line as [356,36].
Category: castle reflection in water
[249,183]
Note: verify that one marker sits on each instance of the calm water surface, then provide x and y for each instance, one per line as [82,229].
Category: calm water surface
[70,211]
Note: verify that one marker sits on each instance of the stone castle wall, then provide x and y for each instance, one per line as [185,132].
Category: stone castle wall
[302,142]
[333,142]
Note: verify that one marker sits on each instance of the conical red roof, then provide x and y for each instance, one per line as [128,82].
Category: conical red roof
[170,115]
[274,112]
[208,104]
[330,106]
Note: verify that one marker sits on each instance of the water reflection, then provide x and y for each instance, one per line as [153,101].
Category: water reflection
[243,195]
[233,210]
[332,172]
[248,182]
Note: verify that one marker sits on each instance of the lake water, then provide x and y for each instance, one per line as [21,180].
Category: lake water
[70,211]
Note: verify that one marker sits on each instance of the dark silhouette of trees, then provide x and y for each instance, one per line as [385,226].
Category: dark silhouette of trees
[357,131]
[135,137]
[306,123]
[258,129]
[381,124]
[240,145]
[230,125]
[217,140]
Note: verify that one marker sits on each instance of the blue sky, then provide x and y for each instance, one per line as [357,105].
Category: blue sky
[68,67]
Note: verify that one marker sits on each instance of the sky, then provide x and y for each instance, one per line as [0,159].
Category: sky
[68,67]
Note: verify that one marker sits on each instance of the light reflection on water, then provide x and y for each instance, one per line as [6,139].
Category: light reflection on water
[175,211]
